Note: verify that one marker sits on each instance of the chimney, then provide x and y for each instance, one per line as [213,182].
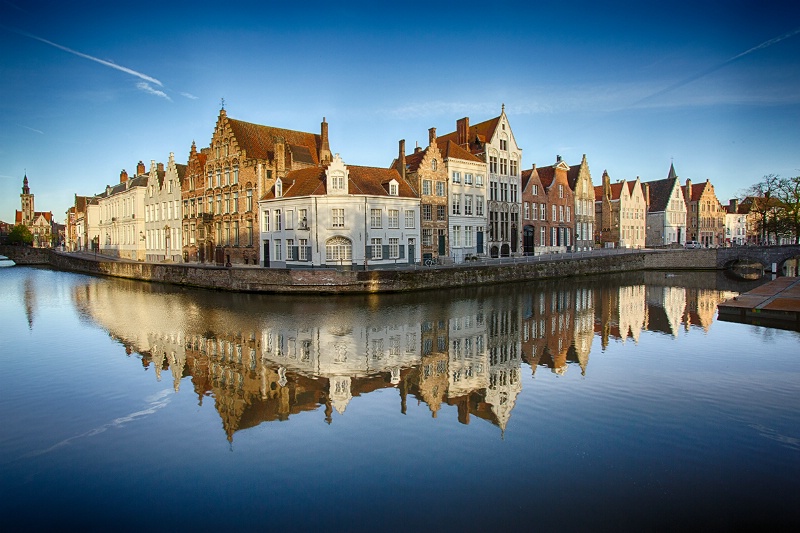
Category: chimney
[123,176]
[462,131]
[160,167]
[417,149]
[606,184]
[734,206]
[401,158]
[646,191]
[558,159]
[431,136]
[280,155]
[688,190]
[325,148]
[140,168]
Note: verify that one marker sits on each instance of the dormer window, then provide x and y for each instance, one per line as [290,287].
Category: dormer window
[393,189]
[278,188]
[337,181]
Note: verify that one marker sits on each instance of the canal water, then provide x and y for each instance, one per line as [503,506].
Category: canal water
[604,404]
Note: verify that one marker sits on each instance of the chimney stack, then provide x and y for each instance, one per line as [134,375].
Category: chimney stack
[325,148]
[160,167]
[123,176]
[431,136]
[688,190]
[140,168]
[462,131]
[401,158]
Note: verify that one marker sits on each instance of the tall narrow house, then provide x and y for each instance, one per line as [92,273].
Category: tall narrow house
[494,143]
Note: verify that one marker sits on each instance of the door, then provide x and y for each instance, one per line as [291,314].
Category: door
[479,242]
[411,251]
[527,240]
[266,253]
[441,244]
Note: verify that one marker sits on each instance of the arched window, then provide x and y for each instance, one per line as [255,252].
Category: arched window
[338,249]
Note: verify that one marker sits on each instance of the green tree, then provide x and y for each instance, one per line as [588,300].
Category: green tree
[762,200]
[789,195]
[20,235]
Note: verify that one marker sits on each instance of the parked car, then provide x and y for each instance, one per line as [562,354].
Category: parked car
[692,244]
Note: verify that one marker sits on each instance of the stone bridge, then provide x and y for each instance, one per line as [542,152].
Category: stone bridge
[766,255]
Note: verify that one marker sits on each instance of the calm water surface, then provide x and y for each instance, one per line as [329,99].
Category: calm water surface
[613,403]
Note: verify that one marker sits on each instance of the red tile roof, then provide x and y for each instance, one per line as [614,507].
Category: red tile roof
[481,132]
[450,150]
[361,180]
[257,141]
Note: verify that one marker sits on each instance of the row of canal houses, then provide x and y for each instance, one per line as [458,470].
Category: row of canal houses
[262,195]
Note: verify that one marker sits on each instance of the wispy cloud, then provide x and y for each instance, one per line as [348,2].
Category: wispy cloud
[32,129]
[189,96]
[146,87]
[717,67]
[103,62]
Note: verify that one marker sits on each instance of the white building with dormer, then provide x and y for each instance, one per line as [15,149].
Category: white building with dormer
[342,216]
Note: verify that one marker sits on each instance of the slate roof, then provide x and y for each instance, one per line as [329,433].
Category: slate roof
[258,141]
[660,193]
[371,181]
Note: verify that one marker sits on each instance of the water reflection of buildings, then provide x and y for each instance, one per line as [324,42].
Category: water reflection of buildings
[266,358]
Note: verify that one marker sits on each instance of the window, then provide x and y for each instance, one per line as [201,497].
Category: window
[561,213]
[468,236]
[554,214]
[441,212]
[290,255]
[337,181]
[277,214]
[568,214]
[236,233]
[503,166]
[426,187]
[227,197]
[210,182]
[394,219]
[235,175]
[338,249]
[375,219]
[504,192]
[410,219]
[377,249]
[468,204]
[542,211]
[468,179]
[527,211]
[427,211]
[302,218]
[394,247]
[227,176]
[434,164]
[493,190]
[337,218]
[439,188]
[290,219]
[236,201]
[542,236]
[249,200]
[504,145]
[492,164]
[456,177]
[427,236]
[479,180]
[278,250]
[513,167]
[535,190]
[219,177]
[456,204]
[513,192]
[303,252]
[560,191]
[393,189]
[249,233]
[479,206]
[534,211]
[265,221]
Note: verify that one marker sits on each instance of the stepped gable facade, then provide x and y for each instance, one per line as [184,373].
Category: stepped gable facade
[242,164]
[666,212]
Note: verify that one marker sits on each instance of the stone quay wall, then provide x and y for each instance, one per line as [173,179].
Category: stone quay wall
[333,281]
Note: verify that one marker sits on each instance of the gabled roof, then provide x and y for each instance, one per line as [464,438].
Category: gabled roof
[546,175]
[371,181]
[450,150]
[477,136]
[258,141]
[660,193]
[414,160]
[697,190]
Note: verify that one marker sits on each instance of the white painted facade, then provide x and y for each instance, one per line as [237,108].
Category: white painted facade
[338,228]
[121,224]
[163,213]
[467,191]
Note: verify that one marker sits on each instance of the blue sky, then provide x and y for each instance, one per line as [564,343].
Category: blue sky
[88,89]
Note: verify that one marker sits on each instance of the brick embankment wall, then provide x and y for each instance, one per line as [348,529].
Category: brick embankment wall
[333,281]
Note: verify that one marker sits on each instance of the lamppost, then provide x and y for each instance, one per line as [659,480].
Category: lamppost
[166,242]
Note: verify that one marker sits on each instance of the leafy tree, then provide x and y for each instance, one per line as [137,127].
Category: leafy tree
[762,200]
[789,195]
[20,235]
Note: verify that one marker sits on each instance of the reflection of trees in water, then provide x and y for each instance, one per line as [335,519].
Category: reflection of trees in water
[264,357]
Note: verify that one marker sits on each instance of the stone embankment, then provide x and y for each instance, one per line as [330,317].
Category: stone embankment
[333,281]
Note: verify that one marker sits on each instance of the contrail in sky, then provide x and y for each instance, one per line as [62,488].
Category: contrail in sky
[708,71]
[91,58]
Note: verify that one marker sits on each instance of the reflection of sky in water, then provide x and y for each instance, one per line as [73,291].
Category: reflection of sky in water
[452,409]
